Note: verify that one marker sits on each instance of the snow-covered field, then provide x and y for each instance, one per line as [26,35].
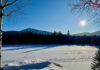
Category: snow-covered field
[54,57]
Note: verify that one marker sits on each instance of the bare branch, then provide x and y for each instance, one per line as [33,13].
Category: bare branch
[89,7]
[0,2]
[96,1]
[9,4]
[93,4]
[5,2]
[12,12]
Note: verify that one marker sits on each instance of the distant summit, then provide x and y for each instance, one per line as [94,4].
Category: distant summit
[31,30]
[97,33]
[35,31]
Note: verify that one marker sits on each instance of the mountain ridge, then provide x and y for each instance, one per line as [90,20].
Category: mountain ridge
[32,30]
[36,31]
[96,33]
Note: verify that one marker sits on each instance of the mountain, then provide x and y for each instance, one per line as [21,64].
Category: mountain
[34,31]
[97,33]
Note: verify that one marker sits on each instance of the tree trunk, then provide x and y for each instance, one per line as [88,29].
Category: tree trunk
[0,30]
[1,14]
[0,37]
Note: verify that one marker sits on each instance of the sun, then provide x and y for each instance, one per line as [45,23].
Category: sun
[83,23]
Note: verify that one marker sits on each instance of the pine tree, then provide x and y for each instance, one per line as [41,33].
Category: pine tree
[59,33]
[96,61]
[68,33]
[54,33]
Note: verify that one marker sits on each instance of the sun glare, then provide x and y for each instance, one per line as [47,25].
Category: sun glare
[83,23]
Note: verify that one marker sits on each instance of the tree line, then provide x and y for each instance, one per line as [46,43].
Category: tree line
[54,38]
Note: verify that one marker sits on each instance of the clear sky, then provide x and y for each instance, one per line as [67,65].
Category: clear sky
[49,15]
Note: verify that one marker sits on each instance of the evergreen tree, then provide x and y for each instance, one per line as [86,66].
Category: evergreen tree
[68,33]
[54,33]
[59,33]
[96,61]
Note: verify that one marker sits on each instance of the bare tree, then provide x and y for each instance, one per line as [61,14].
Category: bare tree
[86,6]
[7,8]
[83,4]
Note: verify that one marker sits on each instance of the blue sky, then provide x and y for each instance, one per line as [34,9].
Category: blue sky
[49,15]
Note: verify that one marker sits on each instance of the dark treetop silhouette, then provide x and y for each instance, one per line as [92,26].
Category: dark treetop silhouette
[31,37]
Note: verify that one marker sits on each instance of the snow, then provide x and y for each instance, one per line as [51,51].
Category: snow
[60,57]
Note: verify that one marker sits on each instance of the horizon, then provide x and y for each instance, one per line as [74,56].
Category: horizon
[53,31]
[50,15]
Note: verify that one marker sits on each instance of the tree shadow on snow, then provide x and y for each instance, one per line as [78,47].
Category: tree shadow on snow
[34,50]
[38,46]
[28,66]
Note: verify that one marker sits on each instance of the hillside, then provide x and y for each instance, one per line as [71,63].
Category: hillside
[28,30]
[97,33]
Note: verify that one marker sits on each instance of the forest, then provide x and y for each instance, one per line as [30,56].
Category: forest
[53,38]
